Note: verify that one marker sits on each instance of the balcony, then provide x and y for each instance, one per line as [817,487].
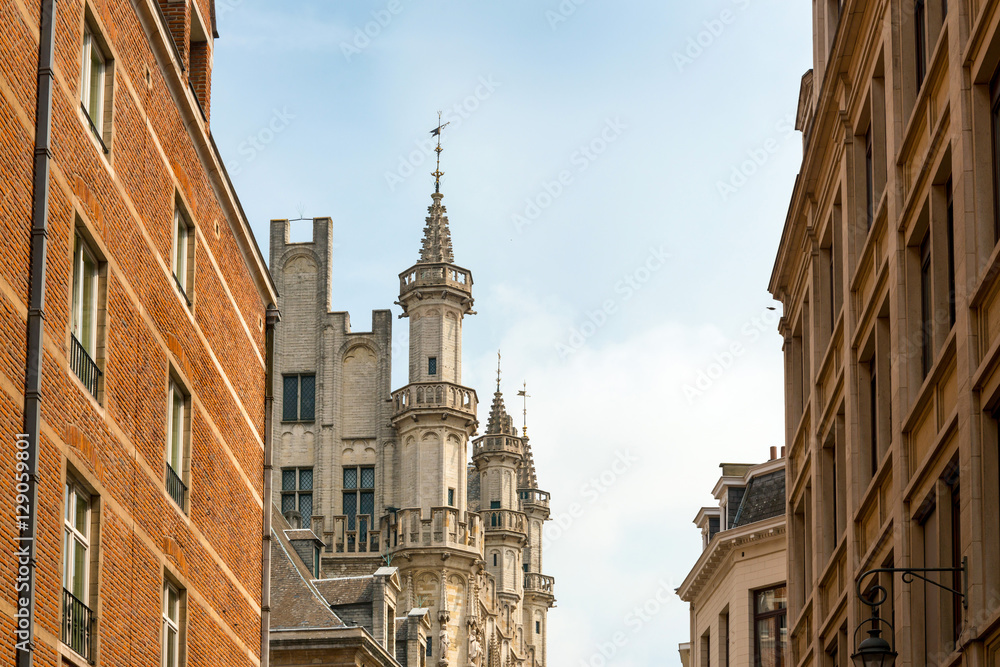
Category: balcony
[176,487]
[435,275]
[435,396]
[406,528]
[85,368]
[533,497]
[77,626]
[539,583]
[504,520]
[490,444]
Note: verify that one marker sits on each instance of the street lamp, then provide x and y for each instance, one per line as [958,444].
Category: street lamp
[875,651]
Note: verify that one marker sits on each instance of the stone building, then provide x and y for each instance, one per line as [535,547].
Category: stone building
[383,477]
[889,273]
[150,341]
[737,589]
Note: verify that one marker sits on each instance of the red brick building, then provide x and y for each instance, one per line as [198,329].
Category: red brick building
[152,409]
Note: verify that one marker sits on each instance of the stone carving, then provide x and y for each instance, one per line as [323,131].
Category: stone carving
[475,650]
[445,641]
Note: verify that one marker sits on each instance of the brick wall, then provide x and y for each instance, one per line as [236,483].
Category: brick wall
[124,201]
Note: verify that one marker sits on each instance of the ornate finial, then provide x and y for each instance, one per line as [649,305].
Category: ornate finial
[525,395]
[498,371]
[437,173]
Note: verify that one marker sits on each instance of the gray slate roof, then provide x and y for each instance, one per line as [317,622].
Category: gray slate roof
[764,499]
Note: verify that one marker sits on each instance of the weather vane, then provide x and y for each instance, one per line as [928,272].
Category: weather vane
[525,395]
[437,173]
[498,371]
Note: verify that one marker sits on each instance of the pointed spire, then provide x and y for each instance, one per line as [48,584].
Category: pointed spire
[436,245]
[500,423]
[437,237]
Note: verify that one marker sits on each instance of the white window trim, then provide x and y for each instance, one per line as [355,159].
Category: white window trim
[89,49]
[82,251]
[181,250]
[169,623]
[72,536]
[178,452]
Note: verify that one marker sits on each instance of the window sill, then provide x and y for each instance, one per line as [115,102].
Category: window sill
[71,657]
[298,421]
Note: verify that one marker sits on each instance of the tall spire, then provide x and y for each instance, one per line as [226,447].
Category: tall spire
[500,423]
[436,245]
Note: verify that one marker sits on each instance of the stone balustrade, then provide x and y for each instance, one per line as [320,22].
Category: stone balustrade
[435,395]
[539,582]
[496,443]
[406,529]
[435,275]
[534,497]
[499,519]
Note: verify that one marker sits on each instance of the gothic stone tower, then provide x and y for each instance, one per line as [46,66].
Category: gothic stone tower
[437,542]
[382,477]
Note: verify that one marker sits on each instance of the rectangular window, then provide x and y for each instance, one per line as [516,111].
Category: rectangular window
[359,497]
[926,306]
[451,497]
[873,416]
[297,493]
[920,43]
[432,366]
[84,324]
[177,443]
[770,636]
[494,504]
[299,398]
[869,178]
[94,85]
[183,254]
[538,627]
[172,596]
[77,622]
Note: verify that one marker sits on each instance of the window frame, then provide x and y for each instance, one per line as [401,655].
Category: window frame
[74,490]
[96,112]
[432,366]
[175,624]
[298,417]
[299,491]
[781,645]
[178,442]
[358,491]
[86,312]
[182,254]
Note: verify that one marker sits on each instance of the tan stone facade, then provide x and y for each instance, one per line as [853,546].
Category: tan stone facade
[383,477]
[737,589]
[889,273]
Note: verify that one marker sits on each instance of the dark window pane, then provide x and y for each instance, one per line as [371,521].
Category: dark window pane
[432,366]
[494,504]
[306,479]
[288,480]
[368,478]
[287,502]
[367,503]
[451,497]
[305,508]
[290,400]
[350,509]
[308,397]
[350,478]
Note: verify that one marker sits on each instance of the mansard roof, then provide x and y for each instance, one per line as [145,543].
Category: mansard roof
[436,245]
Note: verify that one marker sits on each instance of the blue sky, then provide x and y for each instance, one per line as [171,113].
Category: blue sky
[616,176]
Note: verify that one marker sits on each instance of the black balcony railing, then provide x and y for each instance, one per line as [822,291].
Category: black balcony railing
[85,368]
[176,487]
[77,626]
